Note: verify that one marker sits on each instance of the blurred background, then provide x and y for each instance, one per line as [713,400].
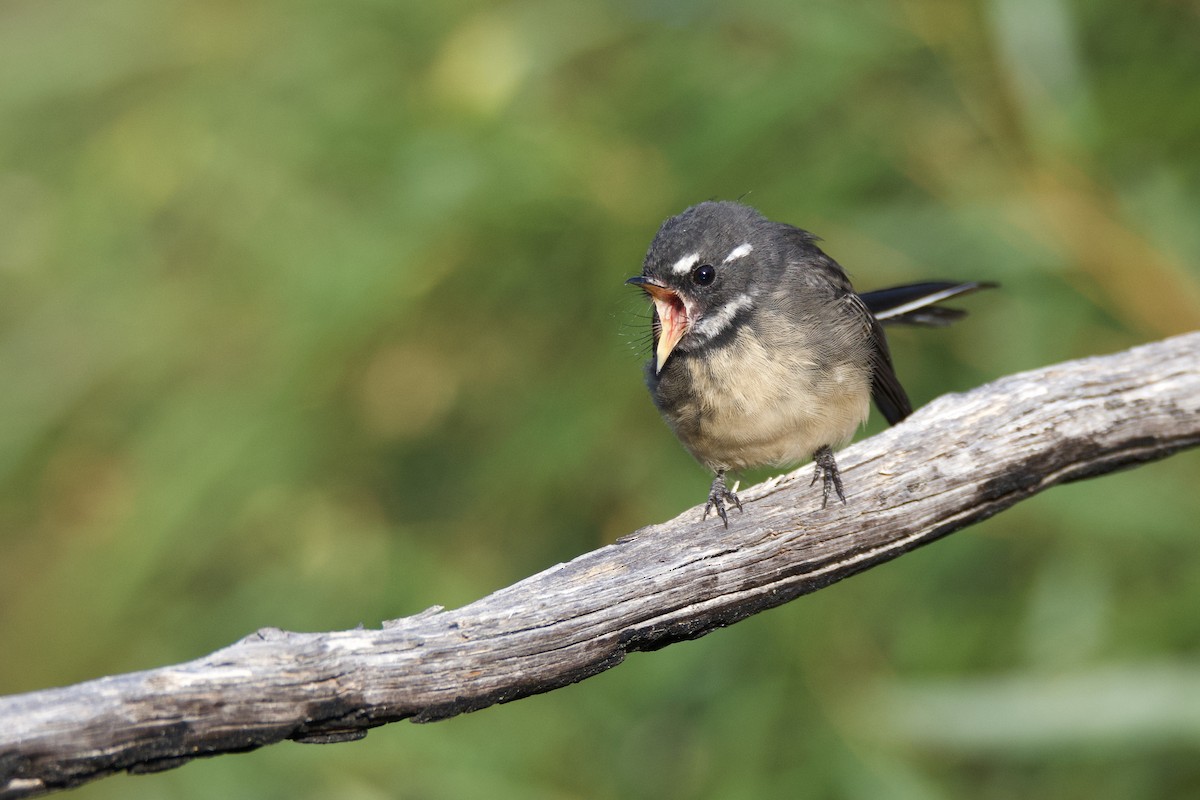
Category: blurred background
[312,315]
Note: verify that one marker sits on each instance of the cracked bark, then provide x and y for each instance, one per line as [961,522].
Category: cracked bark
[958,460]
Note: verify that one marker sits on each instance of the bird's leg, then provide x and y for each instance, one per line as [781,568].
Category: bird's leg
[827,469]
[717,495]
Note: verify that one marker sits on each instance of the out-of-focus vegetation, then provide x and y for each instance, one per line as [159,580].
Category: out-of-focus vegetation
[311,314]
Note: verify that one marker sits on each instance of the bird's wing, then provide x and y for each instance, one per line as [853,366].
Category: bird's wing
[886,390]
[826,276]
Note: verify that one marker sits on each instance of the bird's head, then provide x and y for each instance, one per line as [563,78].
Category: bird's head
[705,271]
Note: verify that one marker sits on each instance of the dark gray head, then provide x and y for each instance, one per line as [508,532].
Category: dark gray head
[708,267]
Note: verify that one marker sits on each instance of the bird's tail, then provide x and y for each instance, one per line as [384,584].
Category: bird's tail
[917,303]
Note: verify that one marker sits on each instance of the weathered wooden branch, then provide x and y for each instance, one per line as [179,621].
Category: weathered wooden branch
[960,459]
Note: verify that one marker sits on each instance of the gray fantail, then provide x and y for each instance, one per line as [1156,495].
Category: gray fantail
[763,352]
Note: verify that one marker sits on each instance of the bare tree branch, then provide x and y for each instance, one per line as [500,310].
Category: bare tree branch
[960,459]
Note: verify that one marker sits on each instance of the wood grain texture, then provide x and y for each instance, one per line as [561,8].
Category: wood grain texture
[958,460]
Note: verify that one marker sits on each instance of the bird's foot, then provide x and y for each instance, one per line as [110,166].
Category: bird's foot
[718,494]
[827,470]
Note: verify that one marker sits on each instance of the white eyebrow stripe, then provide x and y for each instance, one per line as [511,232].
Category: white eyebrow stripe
[686,263]
[719,320]
[741,251]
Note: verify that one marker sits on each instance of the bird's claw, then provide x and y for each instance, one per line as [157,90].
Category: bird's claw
[827,470]
[717,496]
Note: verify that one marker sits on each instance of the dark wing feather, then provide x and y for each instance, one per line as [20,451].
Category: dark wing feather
[886,391]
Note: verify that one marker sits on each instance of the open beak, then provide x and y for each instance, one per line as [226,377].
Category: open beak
[671,316]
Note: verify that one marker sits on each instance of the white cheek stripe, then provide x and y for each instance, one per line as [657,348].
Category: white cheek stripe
[719,320]
[741,251]
[686,263]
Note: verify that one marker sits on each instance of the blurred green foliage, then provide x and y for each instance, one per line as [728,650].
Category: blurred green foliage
[311,314]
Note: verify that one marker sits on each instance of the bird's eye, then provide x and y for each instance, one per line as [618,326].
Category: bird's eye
[703,275]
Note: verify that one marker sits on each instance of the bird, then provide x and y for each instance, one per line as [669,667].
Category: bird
[763,353]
